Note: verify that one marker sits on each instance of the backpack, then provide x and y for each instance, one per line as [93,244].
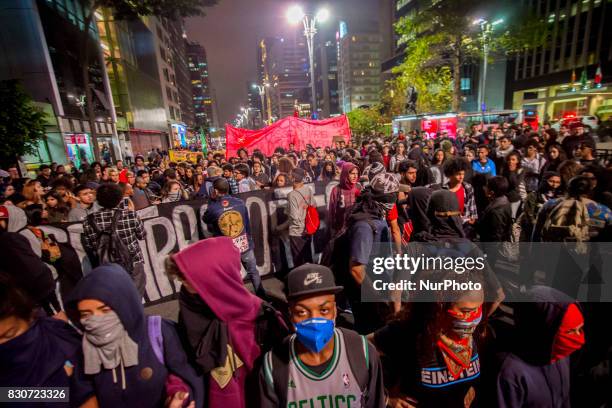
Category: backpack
[173,383]
[276,364]
[111,249]
[312,221]
[568,221]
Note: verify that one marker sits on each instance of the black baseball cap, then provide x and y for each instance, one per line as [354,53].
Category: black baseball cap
[311,279]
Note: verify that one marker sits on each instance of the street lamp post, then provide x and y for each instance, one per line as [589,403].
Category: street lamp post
[295,14]
[486,29]
[261,89]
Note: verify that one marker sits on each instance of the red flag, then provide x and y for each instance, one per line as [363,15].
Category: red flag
[300,132]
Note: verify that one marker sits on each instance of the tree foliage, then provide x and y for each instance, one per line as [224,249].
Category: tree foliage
[441,38]
[162,8]
[22,125]
[364,121]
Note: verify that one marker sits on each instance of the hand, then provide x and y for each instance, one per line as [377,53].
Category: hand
[61,315]
[402,402]
[178,399]
[472,221]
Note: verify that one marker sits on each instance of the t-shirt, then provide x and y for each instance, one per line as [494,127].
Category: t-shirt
[363,237]
[421,374]
[461,198]
[298,202]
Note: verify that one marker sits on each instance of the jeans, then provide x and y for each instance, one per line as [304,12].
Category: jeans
[250,264]
[301,251]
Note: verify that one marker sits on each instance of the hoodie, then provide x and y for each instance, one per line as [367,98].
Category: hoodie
[526,376]
[342,199]
[38,357]
[145,382]
[218,282]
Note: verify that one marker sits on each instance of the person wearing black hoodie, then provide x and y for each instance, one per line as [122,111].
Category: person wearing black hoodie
[536,371]
[39,351]
[496,220]
[19,260]
[134,361]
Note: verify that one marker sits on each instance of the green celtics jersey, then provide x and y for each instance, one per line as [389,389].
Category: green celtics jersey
[335,387]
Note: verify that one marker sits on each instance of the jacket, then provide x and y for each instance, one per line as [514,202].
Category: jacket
[228,216]
[113,286]
[496,221]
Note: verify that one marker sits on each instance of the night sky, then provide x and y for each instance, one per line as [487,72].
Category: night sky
[231,30]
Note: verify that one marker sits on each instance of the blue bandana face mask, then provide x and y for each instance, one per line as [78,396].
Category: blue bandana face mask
[315,333]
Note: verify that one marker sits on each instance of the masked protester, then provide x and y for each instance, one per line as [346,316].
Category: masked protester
[320,365]
[536,372]
[222,321]
[39,351]
[134,361]
[430,353]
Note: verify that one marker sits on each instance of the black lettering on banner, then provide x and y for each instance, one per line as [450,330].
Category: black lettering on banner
[173,226]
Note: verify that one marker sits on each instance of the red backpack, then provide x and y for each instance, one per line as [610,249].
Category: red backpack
[312,221]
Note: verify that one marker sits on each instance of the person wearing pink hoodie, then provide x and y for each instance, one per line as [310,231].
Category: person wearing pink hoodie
[220,320]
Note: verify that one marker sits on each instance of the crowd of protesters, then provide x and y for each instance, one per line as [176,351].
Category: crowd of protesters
[320,345]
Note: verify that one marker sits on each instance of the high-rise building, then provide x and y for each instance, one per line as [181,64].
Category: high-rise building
[559,79]
[285,63]
[41,49]
[254,105]
[129,50]
[183,79]
[200,86]
[326,73]
[358,68]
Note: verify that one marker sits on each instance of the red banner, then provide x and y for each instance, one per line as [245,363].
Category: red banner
[300,132]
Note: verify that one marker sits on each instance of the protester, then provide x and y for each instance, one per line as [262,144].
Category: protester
[228,216]
[128,356]
[57,209]
[495,223]
[298,201]
[85,196]
[319,362]
[220,319]
[342,198]
[483,164]
[535,372]
[430,353]
[112,234]
[39,351]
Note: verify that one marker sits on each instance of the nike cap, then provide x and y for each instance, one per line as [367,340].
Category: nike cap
[310,279]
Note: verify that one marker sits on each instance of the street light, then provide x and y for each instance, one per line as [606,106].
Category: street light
[261,89]
[486,29]
[295,14]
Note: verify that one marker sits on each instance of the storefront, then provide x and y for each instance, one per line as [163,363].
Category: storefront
[558,101]
[78,148]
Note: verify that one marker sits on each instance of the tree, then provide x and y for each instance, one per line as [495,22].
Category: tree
[22,125]
[127,9]
[364,121]
[441,38]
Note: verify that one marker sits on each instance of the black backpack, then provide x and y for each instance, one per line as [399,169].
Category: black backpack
[277,362]
[111,249]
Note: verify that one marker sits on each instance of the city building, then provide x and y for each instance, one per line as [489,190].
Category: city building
[41,50]
[286,68]
[183,80]
[359,75]
[201,93]
[254,105]
[326,72]
[560,80]
[129,50]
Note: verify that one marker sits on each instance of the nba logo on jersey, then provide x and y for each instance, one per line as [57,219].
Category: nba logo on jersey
[346,380]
